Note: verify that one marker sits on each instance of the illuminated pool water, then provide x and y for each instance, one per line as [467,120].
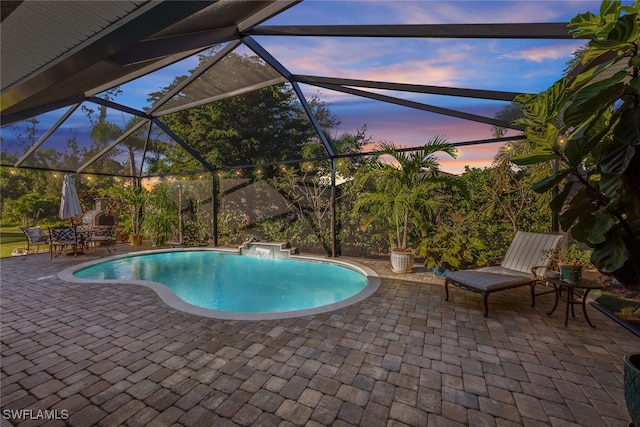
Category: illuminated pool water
[231,283]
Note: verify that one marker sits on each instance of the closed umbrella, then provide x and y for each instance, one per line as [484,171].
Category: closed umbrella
[69,201]
[69,208]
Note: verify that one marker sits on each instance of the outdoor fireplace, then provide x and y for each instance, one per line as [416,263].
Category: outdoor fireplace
[101,216]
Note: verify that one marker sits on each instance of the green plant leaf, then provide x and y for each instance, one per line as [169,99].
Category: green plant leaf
[609,184]
[548,183]
[558,202]
[626,29]
[603,223]
[535,157]
[580,203]
[611,254]
[628,130]
[616,158]
[593,98]
[585,224]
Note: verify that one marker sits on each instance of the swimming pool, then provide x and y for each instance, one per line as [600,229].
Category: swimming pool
[226,285]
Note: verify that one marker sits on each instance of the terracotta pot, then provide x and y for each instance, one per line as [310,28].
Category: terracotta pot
[135,239]
[402,261]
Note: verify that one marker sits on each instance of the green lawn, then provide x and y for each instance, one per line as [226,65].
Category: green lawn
[10,237]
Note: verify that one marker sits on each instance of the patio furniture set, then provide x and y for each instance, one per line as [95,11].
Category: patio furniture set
[525,264]
[70,240]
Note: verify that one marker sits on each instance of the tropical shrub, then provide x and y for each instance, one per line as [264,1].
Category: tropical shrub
[160,215]
[402,192]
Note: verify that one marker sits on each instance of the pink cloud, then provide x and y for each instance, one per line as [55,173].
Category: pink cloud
[542,53]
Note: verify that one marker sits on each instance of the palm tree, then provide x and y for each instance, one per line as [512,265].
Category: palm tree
[404,190]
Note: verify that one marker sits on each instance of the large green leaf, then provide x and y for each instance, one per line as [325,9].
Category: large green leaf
[589,91]
[611,254]
[580,203]
[592,99]
[616,158]
[626,29]
[557,203]
[535,157]
[628,130]
[549,182]
[586,222]
[609,184]
[603,223]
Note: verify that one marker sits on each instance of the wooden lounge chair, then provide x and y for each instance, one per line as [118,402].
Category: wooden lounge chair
[35,237]
[524,264]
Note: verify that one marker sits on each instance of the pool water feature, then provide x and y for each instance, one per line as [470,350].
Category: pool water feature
[224,284]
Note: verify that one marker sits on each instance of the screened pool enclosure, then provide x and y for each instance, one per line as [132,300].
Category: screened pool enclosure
[228,101]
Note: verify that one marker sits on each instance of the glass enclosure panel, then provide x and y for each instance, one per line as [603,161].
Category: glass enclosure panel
[165,156]
[239,69]
[377,121]
[18,138]
[89,130]
[521,66]
[260,127]
[144,91]
[178,210]
[288,203]
[125,158]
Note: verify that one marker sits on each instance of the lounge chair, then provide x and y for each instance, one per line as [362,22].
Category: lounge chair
[35,237]
[524,264]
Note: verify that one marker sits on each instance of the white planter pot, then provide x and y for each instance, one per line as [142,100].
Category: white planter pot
[401,262]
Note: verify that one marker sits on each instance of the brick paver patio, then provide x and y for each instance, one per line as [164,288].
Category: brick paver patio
[111,355]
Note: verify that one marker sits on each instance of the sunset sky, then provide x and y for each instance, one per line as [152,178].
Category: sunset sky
[506,65]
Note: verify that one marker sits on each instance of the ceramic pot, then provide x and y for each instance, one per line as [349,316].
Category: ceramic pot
[632,385]
[571,273]
[402,261]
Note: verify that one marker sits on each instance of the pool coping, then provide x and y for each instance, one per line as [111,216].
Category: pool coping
[173,301]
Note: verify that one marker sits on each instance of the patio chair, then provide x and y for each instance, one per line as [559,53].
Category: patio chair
[35,237]
[105,238]
[524,264]
[60,239]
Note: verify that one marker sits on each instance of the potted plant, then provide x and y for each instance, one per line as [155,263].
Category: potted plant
[133,198]
[401,192]
[571,262]
[632,386]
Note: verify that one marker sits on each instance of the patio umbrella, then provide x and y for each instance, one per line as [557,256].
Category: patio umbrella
[69,201]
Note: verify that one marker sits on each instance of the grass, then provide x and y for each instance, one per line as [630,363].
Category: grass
[625,308]
[11,237]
